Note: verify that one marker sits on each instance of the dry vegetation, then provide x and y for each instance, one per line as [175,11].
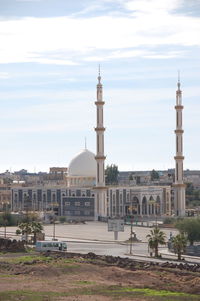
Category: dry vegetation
[84,278]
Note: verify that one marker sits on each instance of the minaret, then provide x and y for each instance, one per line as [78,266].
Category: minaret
[179,186]
[101,208]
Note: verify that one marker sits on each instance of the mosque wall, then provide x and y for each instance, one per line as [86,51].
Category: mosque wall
[79,203]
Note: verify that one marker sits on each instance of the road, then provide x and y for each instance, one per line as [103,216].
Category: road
[94,237]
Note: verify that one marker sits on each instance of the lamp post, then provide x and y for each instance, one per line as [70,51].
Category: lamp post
[131,234]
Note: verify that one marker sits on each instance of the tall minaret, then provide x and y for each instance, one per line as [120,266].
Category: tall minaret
[101,208]
[179,186]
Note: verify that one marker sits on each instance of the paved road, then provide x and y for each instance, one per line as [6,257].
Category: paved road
[114,249]
[139,251]
[94,237]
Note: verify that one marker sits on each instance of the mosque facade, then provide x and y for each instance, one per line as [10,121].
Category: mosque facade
[85,195]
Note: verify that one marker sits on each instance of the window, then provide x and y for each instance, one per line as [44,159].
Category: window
[67,213]
[87,212]
[77,212]
[87,203]
[67,203]
[77,204]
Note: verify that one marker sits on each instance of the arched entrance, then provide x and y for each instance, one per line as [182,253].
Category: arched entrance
[157,205]
[151,204]
[144,206]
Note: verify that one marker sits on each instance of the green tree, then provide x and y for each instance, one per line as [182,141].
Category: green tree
[179,244]
[62,219]
[25,229]
[154,175]
[112,173]
[36,228]
[190,227]
[30,227]
[156,238]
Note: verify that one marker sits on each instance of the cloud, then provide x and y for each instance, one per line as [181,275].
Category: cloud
[73,40]
[4,75]
[153,6]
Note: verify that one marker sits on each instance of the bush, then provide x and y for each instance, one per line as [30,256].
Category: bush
[62,219]
[190,227]
[8,219]
[169,221]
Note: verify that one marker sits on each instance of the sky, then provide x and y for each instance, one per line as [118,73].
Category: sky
[49,56]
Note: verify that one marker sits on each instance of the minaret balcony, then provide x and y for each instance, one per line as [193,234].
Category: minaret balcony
[179,131]
[179,107]
[100,157]
[99,102]
[100,129]
[179,157]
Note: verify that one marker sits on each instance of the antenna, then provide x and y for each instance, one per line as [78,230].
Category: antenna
[85,143]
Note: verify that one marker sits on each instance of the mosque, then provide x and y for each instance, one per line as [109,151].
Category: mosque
[85,196]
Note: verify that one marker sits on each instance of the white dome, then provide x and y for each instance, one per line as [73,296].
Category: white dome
[83,164]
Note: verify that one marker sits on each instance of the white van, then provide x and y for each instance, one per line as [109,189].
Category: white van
[50,245]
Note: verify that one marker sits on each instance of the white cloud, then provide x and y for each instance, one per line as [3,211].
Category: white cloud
[152,6]
[4,75]
[70,40]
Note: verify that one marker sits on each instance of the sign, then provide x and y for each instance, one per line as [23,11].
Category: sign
[116,225]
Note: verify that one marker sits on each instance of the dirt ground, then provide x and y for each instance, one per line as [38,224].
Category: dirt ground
[38,278]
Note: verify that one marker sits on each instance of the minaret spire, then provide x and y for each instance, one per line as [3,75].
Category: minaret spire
[101,210]
[179,186]
[179,83]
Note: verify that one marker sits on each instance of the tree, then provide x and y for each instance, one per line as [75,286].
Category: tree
[35,229]
[62,219]
[111,173]
[191,228]
[179,244]
[154,175]
[156,238]
[25,229]
[30,227]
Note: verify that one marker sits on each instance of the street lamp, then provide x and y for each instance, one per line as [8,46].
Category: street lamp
[131,208]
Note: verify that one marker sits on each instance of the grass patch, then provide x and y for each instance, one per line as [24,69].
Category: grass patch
[7,276]
[28,258]
[112,291]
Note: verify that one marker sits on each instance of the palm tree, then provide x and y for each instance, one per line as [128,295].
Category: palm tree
[24,229]
[36,228]
[156,238]
[179,244]
[27,228]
